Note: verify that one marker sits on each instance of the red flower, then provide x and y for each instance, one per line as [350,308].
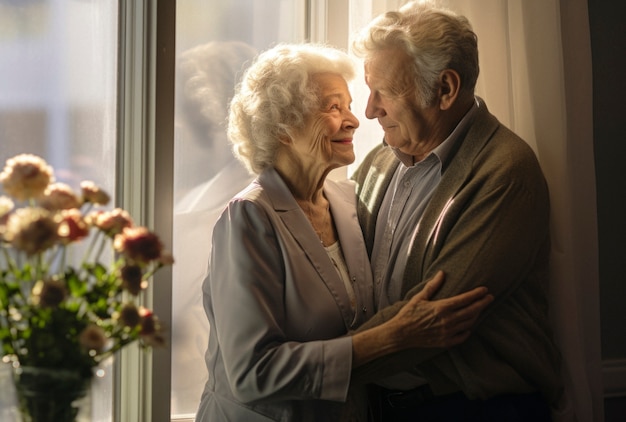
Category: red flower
[138,244]
[72,226]
[151,333]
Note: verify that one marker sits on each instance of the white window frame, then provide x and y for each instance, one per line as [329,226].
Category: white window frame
[144,185]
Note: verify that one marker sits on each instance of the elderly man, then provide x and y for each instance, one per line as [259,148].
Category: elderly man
[452,189]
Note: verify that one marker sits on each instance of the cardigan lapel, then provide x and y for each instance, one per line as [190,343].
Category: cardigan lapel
[456,173]
[299,227]
[377,181]
[342,198]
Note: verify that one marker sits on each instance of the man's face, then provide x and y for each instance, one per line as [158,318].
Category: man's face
[408,126]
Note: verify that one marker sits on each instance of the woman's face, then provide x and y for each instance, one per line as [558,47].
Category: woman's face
[326,139]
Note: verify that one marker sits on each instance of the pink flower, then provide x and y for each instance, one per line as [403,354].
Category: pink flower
[72,226]
[111,222]
[31,230]
[93,338]
[138,244]
[59,196]
[26,176]
[93,194]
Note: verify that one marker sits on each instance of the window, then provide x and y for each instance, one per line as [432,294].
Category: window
[65,95]
[58,100]
[58,86]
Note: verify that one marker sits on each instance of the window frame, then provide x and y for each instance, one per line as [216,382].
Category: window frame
[144,174]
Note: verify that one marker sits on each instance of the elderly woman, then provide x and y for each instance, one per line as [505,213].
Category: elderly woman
[289,274]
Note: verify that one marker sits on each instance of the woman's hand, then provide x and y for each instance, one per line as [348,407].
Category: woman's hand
[422,323]
[439,323]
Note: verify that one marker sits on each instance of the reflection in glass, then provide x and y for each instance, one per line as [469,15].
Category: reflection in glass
[215,41]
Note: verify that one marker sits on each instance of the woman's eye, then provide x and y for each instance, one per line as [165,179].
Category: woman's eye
[334,107]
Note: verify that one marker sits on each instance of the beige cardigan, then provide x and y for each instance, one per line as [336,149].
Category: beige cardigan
[486,225]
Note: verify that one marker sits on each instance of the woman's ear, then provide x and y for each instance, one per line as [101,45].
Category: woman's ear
[449,88]
[285,139]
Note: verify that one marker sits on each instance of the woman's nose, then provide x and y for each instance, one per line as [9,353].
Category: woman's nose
[351,120]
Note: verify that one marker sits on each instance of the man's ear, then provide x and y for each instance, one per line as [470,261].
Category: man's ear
[449,88]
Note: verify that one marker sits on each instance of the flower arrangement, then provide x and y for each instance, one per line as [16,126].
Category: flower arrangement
[57,311]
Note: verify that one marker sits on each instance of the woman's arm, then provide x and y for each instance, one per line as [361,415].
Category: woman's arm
[263,362]
[422,323]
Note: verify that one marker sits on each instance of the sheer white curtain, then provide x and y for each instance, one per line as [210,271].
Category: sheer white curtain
[535,77]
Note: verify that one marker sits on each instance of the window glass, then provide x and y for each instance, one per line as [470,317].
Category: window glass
[58,93]
[214,43]
[58,86]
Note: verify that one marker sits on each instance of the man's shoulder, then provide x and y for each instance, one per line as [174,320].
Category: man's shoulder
[380,159]
[488,136]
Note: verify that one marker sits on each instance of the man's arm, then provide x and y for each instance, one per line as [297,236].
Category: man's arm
[492,233]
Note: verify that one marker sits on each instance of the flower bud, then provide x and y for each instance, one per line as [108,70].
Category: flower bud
[49,293]
[93,194]
[129,315]
[59,196]
[93,338]
[131,279]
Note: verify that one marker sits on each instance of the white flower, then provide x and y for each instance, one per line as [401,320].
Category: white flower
[26,176]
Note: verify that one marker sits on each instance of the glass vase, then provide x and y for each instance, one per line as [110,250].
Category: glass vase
[52,395]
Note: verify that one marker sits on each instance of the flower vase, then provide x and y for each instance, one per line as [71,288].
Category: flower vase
[52,395]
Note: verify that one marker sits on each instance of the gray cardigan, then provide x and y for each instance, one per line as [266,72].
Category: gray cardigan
[487,224]
[278,309]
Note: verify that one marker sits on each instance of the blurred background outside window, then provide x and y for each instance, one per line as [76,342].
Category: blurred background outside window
[58,100]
